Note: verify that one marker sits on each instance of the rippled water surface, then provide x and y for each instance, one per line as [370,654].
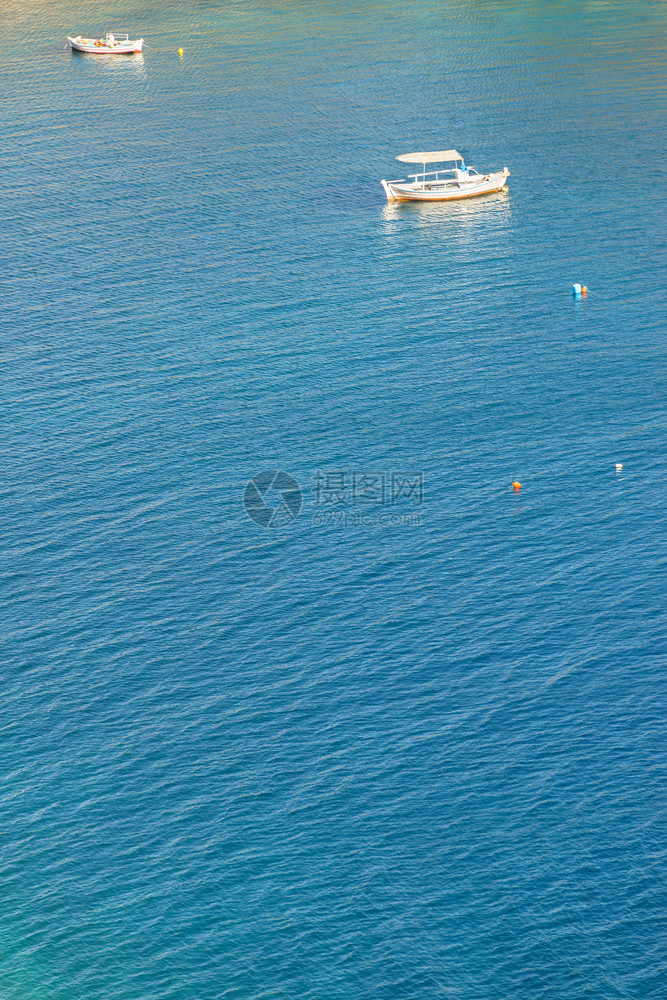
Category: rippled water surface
[406,741]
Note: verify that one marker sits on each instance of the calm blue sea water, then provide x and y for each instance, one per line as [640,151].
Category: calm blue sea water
[409,743]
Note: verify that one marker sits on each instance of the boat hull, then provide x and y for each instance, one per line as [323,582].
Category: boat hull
[98,47]
[451,191]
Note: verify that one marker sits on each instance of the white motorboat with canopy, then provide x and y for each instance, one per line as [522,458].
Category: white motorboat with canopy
[445,183]
[111,44]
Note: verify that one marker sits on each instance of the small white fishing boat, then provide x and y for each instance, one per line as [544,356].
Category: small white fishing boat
[111,44]
[444,184]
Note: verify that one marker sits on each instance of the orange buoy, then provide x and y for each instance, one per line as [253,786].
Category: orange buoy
[516,486]
[584,290]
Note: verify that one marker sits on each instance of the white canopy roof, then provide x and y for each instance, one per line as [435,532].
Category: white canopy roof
[437,156]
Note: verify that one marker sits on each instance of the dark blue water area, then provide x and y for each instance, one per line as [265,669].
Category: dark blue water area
[407,740]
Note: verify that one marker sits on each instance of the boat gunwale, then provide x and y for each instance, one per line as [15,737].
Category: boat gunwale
[453,189]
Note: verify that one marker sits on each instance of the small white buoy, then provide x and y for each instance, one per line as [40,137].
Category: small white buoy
[619,466]
[576,291]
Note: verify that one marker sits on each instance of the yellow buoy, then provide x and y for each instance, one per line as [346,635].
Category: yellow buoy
[516,486]
[180,52]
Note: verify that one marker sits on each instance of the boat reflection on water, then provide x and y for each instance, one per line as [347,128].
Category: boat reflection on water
[493,209]
[132,65]
[464,230]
